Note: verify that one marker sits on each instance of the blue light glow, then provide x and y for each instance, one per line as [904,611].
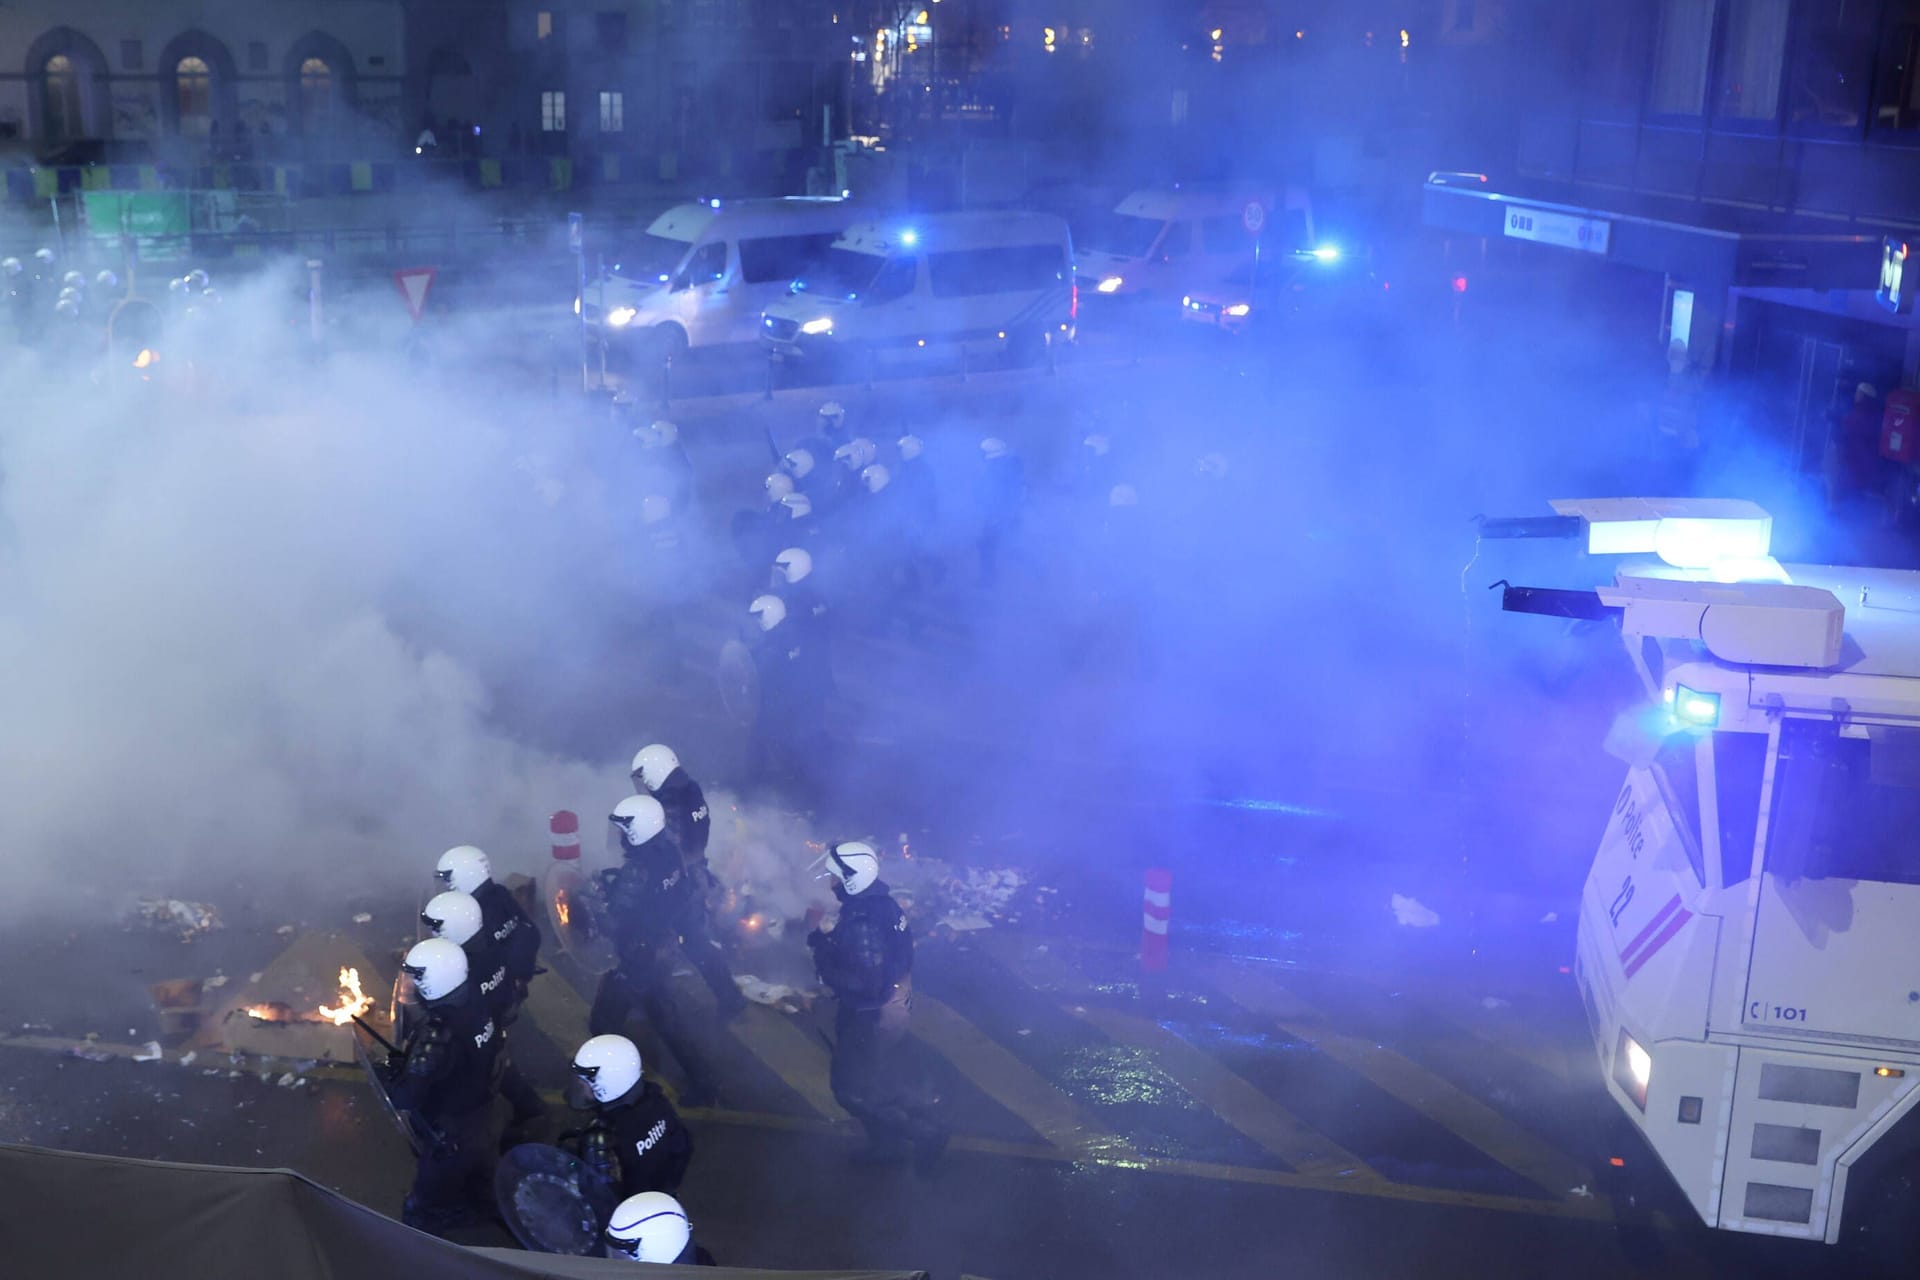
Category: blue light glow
[1690,706]
[909,237]
[1327,253]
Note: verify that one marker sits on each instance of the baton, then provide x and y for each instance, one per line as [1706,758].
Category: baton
[772,448]
[382,1040]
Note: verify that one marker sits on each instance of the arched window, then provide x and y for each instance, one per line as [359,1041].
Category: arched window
[316,93]
[62,116]
[193,84]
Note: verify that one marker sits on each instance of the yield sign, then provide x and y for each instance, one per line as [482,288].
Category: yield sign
[413,283]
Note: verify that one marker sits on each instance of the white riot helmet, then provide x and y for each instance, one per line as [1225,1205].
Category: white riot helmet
[856,455]
[649,1227]
[770,610]
[437,967]
[74,280]
[43,256]
[452,915]
[11,267]
[797,463]
[652,765]
[463,867]
[832,416]
[657,435]
[993,447]
[107,280]
[655,508]
[875,478]
[609,1066]
[1122,495]
[798,505]
[793,565]
[633,822]
[910,447]
[197,280]
[854,864]
[779,485]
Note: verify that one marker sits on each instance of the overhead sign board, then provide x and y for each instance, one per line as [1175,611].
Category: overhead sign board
[413,283]
[1254,217]
[1563,230]
[1893,293]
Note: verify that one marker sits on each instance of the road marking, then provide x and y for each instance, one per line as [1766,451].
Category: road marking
[800,1060]
[1230,1097]
[1588,1210]
[1237,1102]
[1447,1105]
[557,1010]
[1014,1085]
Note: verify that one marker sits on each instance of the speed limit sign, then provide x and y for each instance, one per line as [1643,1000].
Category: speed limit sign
[1254,216]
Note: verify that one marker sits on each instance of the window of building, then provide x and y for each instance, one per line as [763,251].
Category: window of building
[193,91]
[610,31]
[613,112]
[62,118]
[1896,103]
[316,92]
[1610,42]
[256,55]
[1830,63]
[132,56]
[543,25]
[1680,58]
[553,111]
[1752,49]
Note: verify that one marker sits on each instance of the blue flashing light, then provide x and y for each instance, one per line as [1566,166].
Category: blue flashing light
[713,204]
[1327,253]
[909,237]
[1692,707]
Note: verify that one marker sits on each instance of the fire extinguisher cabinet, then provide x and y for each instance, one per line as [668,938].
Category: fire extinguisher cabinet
[1900,426]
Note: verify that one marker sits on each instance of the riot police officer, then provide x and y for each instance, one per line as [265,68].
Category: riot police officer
[458,918]
[657,772]
[443,1075]
[652,1227]
[502,919]
[867,961]
[637,1141]
[646,905]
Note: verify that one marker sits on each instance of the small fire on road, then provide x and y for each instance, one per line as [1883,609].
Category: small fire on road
[353,1003]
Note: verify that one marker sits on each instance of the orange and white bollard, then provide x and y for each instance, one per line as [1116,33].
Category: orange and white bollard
[1159,911]
[565,829]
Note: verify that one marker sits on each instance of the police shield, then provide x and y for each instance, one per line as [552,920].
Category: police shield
[551,1200]
[363,1051]
[739,683]
[578,916]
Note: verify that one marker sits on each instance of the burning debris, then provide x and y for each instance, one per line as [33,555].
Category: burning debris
[303,1004]
[191,918]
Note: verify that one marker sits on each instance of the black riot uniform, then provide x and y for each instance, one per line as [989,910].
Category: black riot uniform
[689,820]
[445,1076]
[638,1142]
[867,961]
[794,682]
[647,905]
[512,930]
[491,965]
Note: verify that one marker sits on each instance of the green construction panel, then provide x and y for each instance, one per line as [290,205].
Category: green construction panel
[489,173]
[562,171]
[96,177]
[362,171]
[150,179]
[609,168]
[223,177]
[46,184]
[669,165]
[279,180]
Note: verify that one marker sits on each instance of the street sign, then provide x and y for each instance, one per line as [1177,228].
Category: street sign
[1542,226]
[1893,293]
[1253,217]
[574,241]
[413,283]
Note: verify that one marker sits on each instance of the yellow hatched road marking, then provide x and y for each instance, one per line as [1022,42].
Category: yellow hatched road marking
[1450,1107]
[1013,1084]
[1230,1097]
[799,1059]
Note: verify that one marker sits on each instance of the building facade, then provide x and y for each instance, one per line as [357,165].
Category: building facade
[1753,159]
[225,75]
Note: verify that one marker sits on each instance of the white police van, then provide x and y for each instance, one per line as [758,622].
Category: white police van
[902,285]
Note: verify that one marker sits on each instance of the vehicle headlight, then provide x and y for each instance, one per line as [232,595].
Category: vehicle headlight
[576,305]
[621,317]
[1110,285]
[1239,309]
[822,324]
[1632,1068]
[1188,302]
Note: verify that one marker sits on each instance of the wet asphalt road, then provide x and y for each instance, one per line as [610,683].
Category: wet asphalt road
[1314,1089]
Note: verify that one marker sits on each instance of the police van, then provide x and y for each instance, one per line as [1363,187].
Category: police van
[702,272]
[979,279]
[1747,945]
[1156,245]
